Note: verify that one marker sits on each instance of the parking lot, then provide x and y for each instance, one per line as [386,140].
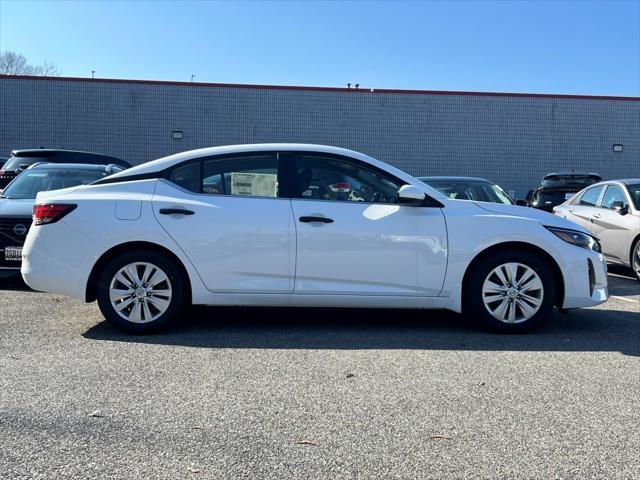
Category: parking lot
[276,393]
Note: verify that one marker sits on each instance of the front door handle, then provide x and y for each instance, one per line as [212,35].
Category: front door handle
[176,211]
[316,219]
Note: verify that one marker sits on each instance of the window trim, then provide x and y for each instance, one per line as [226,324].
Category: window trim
[290,160]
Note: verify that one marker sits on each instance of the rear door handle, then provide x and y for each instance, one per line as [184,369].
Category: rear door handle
[316,219]
[176,211]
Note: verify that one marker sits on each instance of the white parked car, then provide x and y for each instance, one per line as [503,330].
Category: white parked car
[301,225]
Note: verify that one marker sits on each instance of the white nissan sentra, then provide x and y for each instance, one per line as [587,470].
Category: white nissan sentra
[306,226]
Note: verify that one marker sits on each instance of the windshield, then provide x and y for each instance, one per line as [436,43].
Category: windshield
[29,183]
[634,190]
[471,190]
[579,181]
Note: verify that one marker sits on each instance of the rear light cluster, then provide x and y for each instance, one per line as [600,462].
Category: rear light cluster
[51,213]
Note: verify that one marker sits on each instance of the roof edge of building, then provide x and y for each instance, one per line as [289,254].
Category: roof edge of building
[322,89]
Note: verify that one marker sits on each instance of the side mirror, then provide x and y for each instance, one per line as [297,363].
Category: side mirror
[620,207]
[413,196]
[522,203]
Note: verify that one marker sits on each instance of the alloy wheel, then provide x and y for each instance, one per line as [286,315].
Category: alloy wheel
[140,292]
[513,293]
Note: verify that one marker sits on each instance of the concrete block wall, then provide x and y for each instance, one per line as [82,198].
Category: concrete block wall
[512,140]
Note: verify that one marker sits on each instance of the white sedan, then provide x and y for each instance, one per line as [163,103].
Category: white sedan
[302,225]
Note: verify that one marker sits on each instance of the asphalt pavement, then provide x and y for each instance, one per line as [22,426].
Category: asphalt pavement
[317,393]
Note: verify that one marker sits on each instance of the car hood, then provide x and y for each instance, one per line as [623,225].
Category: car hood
[16,208]
[531,214]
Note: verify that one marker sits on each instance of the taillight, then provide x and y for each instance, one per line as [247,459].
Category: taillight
[51,213]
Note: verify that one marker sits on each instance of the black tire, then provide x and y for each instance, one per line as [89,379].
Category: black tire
[177,303]
[473,304]
[635,268]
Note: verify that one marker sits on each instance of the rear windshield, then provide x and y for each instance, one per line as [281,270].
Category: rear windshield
[551,199]
[29,183]
[470,190]
[561,181]
[634,190]
[14,162]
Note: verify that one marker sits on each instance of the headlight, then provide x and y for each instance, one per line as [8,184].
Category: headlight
[579,239]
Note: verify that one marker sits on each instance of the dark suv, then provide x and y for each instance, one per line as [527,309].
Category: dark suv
[557,188]
[22,159]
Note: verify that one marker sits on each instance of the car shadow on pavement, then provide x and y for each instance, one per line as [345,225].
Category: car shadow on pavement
[355,329]
[622,283]
[13,281]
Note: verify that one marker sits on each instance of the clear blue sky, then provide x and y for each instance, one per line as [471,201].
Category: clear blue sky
[583,47]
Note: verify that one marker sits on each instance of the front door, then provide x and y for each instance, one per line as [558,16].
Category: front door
[613,229]
[353,237]
[228,217]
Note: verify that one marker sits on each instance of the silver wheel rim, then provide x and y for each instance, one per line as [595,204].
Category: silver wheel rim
[636,260]
[513,293]
[140,292]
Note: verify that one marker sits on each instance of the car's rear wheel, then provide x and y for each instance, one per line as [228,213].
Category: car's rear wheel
[510,292]
[635,259]
[141,291]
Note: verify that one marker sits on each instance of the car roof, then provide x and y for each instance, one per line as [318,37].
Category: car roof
[72,166]
[573,174]
[626,181]
[155,166]
[466,179]
[52,153]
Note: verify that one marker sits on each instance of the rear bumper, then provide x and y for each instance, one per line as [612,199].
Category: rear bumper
[55,252]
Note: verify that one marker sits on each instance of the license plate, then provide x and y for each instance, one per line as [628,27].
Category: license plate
[568,196]
[13,254]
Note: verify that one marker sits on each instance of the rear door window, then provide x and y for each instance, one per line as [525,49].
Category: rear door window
[256,175]
[590,197]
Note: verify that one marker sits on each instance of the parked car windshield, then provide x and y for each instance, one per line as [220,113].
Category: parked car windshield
[634,190]
[562,181]
[30,182]
[470,190]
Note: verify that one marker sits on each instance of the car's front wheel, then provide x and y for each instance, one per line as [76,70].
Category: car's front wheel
[141,291]
[510,292]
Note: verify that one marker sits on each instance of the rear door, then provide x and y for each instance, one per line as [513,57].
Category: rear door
[583,209]
[232,218]
[353,237]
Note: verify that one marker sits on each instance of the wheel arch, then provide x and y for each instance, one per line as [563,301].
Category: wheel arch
[519,246]
[98,267]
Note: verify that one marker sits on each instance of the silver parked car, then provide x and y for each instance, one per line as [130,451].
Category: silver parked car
[611,211]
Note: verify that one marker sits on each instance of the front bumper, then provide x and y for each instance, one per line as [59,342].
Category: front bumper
[586,283]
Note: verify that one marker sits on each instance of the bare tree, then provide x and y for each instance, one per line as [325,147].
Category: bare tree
[12,63]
